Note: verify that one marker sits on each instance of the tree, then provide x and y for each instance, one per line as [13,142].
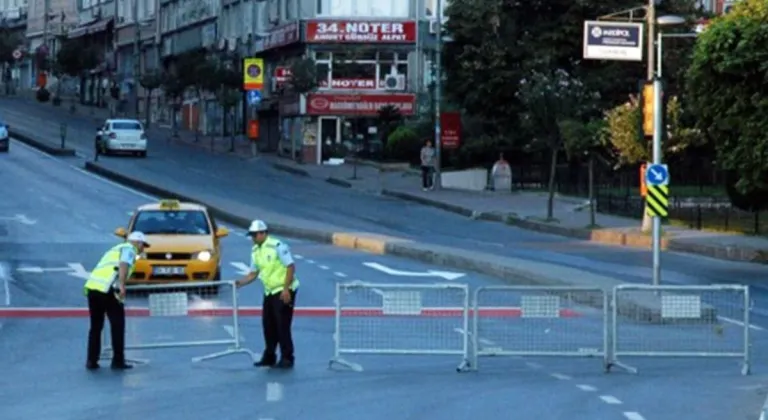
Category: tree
[229,95]
[302,81]
[150,80]
[551,97]
[174,88]
[726,88]
[583,138]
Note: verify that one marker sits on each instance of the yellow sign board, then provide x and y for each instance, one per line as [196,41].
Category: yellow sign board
[253,73]
[648,105]
[657,201]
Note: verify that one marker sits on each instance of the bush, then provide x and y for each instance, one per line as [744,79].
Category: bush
[404,145]
[482,151]
[42,95]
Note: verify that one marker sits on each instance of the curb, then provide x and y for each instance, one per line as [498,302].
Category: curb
[764,411]
[338,182]
[290,169]
[600,236]
[516,271]
[44,147]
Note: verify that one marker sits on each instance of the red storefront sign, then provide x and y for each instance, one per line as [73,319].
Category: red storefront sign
[368,104]
[450,130]
[361,31]
[279,37]
[282,75]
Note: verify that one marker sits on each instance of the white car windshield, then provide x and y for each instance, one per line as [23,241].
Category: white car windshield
[126,126]
[162,222]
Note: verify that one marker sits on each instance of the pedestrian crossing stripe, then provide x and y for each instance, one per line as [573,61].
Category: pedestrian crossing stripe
[657,201]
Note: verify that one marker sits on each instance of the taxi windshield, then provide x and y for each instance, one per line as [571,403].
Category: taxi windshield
[176,222]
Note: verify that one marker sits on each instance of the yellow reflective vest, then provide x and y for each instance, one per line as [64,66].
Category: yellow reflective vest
[271,270]
[105,273]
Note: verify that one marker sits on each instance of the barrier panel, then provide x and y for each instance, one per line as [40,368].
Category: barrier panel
[689,321]
[173,305]
[540,321]
[401,319]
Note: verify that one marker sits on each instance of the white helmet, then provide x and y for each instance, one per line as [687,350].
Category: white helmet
[257,226]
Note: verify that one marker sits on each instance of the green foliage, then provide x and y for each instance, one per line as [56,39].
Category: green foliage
[151,79]
[303,75]
[622,132]
[75,56]
[173,88]
[727,84]
[581,137]
[403,144]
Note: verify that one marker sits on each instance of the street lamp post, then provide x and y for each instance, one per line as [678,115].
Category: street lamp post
[438,97]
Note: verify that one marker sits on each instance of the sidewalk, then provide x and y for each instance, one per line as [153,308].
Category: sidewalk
[522,209]
[528,210]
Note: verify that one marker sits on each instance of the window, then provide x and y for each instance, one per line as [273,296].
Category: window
[273,11]
[182,222]
[248,17]
[126,125]
[290,9]
[353,70]
[323,70]
[363,8]
[344,70]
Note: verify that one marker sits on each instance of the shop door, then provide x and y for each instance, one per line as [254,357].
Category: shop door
[328,137]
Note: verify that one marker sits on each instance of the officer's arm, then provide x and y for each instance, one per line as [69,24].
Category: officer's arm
[284,253]
[251,276]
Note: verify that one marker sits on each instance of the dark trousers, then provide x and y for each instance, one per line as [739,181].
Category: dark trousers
[426,176]
[276,319]
[100,304]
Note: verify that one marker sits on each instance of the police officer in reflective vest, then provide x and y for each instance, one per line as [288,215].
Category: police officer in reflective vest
[105,289]
[272,262]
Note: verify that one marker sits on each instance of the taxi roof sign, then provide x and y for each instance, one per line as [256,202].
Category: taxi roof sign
[170,204]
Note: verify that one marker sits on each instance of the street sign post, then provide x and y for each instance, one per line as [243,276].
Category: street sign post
[657,206]
[254,97]
[622,41]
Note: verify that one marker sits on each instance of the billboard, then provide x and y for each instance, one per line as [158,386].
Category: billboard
[622,41]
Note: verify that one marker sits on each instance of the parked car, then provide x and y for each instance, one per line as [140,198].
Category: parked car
[121,136]
[5,141]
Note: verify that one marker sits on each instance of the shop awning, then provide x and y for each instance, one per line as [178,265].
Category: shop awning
[92,27]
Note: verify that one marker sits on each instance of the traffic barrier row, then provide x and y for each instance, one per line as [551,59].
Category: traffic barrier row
[450,320]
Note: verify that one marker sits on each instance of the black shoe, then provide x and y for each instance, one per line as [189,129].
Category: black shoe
[265,363]
[284,364]
[121,366]
[92,365]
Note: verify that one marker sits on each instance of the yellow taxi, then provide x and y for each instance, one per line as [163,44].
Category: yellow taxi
[186,243]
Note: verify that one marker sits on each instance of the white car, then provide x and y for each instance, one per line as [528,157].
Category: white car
[4,140]
[121,136]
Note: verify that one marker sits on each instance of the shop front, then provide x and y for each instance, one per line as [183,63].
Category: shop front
[341,124]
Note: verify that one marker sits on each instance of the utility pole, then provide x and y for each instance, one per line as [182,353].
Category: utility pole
[438,88]
[657,120]
[136,57]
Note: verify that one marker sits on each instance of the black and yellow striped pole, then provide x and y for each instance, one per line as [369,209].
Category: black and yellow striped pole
[657,201]
[657,206]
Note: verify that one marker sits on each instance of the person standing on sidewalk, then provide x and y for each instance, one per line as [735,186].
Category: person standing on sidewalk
[271,260]
[427,165]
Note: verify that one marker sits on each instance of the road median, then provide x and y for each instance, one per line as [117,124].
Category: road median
[604,236]
[513,270]
[45,147]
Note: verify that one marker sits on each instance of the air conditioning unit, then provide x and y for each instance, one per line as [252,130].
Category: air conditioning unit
[433,26]
[394,82]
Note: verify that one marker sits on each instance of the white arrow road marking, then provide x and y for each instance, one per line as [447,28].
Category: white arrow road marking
[739,323]
[78,271]
[231,331]
[447,275]
[39,270]
[242,268]
[24,220]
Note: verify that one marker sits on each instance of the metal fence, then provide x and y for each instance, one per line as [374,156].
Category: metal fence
[690,321]
[401,319]
[540,321]
[168,325]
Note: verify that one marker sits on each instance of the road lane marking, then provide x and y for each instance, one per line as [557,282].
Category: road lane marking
[298,257]
[323,267]
[739,323]
[631,415]
[480,340]
[274,391]
[610,399]
[311,261]
[339,274]
[560,376]
[533,365]
[5,278]
[231,331]
[586,388]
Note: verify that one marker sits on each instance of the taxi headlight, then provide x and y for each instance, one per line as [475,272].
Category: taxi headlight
[203,256]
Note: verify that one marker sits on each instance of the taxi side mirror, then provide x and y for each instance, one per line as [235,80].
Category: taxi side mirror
[222,232]
[120,232]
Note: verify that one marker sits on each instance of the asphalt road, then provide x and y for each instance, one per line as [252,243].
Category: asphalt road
[715,386]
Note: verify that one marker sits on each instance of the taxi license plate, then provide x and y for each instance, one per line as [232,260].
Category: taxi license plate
[165,270]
